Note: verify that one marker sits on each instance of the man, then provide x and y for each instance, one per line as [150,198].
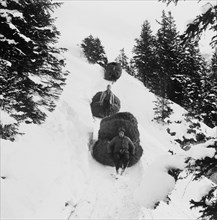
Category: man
[121,148]
[106,100]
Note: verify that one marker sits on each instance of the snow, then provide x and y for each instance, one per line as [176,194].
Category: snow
[200,151]
[150,191]
[5,118]
[14,13]
[205,7]
[3,3]
[35,78]
[8,14]
[5,62]
[49,172]
[44,28]
[9,41]
[214,132]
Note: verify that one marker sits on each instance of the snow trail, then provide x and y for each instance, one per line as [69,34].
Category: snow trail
[108,198]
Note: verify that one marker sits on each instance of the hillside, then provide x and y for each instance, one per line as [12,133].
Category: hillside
[50,173]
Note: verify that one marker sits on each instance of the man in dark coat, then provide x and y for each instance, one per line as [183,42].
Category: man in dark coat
[106,100]
[121,148]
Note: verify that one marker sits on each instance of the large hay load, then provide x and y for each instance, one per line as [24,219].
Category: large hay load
[98,110]
[108,129]
[113,71]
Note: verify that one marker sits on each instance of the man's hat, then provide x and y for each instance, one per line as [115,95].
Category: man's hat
[121,129]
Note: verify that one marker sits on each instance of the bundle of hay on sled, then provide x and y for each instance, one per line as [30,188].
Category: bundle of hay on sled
[113,71]
[98,110]
[109,129]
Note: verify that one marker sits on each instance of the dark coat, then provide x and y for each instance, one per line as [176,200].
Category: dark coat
[118,143]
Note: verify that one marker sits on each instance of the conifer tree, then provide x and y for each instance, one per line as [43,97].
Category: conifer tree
[193,68]
[132,68]
[31,65]
[162,110]
[94,51]
[122,59]
[125,64]
[199,85]
[209,95]
[168,57]
[144,58]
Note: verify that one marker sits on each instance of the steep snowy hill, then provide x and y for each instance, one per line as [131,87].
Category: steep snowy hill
[49,172]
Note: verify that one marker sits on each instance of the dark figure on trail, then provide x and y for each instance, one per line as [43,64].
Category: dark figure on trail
[121,148]
[106,100]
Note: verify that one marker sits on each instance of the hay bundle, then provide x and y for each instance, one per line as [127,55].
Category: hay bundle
[97,109]
[109,126]
[113,71]
[108,129]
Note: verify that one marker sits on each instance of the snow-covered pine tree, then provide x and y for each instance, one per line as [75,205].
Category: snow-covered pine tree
[145,57]
[168,57]
[32,69]
[122,59]
[162,110]
[125,63]
[132,68]
[193,85]
[210,103]
[94,51]
[198,85]
[188,67]
[208,106]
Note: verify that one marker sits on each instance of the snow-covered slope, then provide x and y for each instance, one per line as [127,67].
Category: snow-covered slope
[49,173]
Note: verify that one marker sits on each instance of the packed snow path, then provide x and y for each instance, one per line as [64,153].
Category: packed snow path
[106,197]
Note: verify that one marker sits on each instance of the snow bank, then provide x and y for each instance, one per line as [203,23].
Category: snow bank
[48,166]
[156,183]
[39,168]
